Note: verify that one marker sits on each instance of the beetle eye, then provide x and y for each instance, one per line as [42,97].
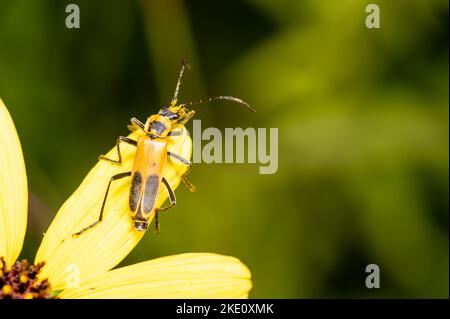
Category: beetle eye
[169,114]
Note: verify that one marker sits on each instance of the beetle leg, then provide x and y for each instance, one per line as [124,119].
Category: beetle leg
[100,218]
[173,201]
[188,184]
[135,125]
[156,222]
[119,139]
[172,198]
[189,115]
[181,159]
[175,133]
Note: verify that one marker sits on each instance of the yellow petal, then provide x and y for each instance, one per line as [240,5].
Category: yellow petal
[196,275]
[104,246]
[13,190]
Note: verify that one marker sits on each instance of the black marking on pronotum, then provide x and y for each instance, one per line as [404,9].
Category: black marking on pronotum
[150,192]
[158,127]
[135,192]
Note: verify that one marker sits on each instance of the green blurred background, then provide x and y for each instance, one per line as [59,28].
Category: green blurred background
[362,117]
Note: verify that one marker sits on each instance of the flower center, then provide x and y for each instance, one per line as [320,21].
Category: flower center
[21,281]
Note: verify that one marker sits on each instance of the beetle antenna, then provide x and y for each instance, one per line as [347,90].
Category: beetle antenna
[221,97]
[227,98]
[184,65]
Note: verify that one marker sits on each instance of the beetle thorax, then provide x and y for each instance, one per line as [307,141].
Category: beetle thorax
[158,125]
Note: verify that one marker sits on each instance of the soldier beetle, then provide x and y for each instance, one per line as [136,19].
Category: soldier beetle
[152,156]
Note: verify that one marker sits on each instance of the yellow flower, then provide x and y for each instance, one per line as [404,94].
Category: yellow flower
[80,267]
